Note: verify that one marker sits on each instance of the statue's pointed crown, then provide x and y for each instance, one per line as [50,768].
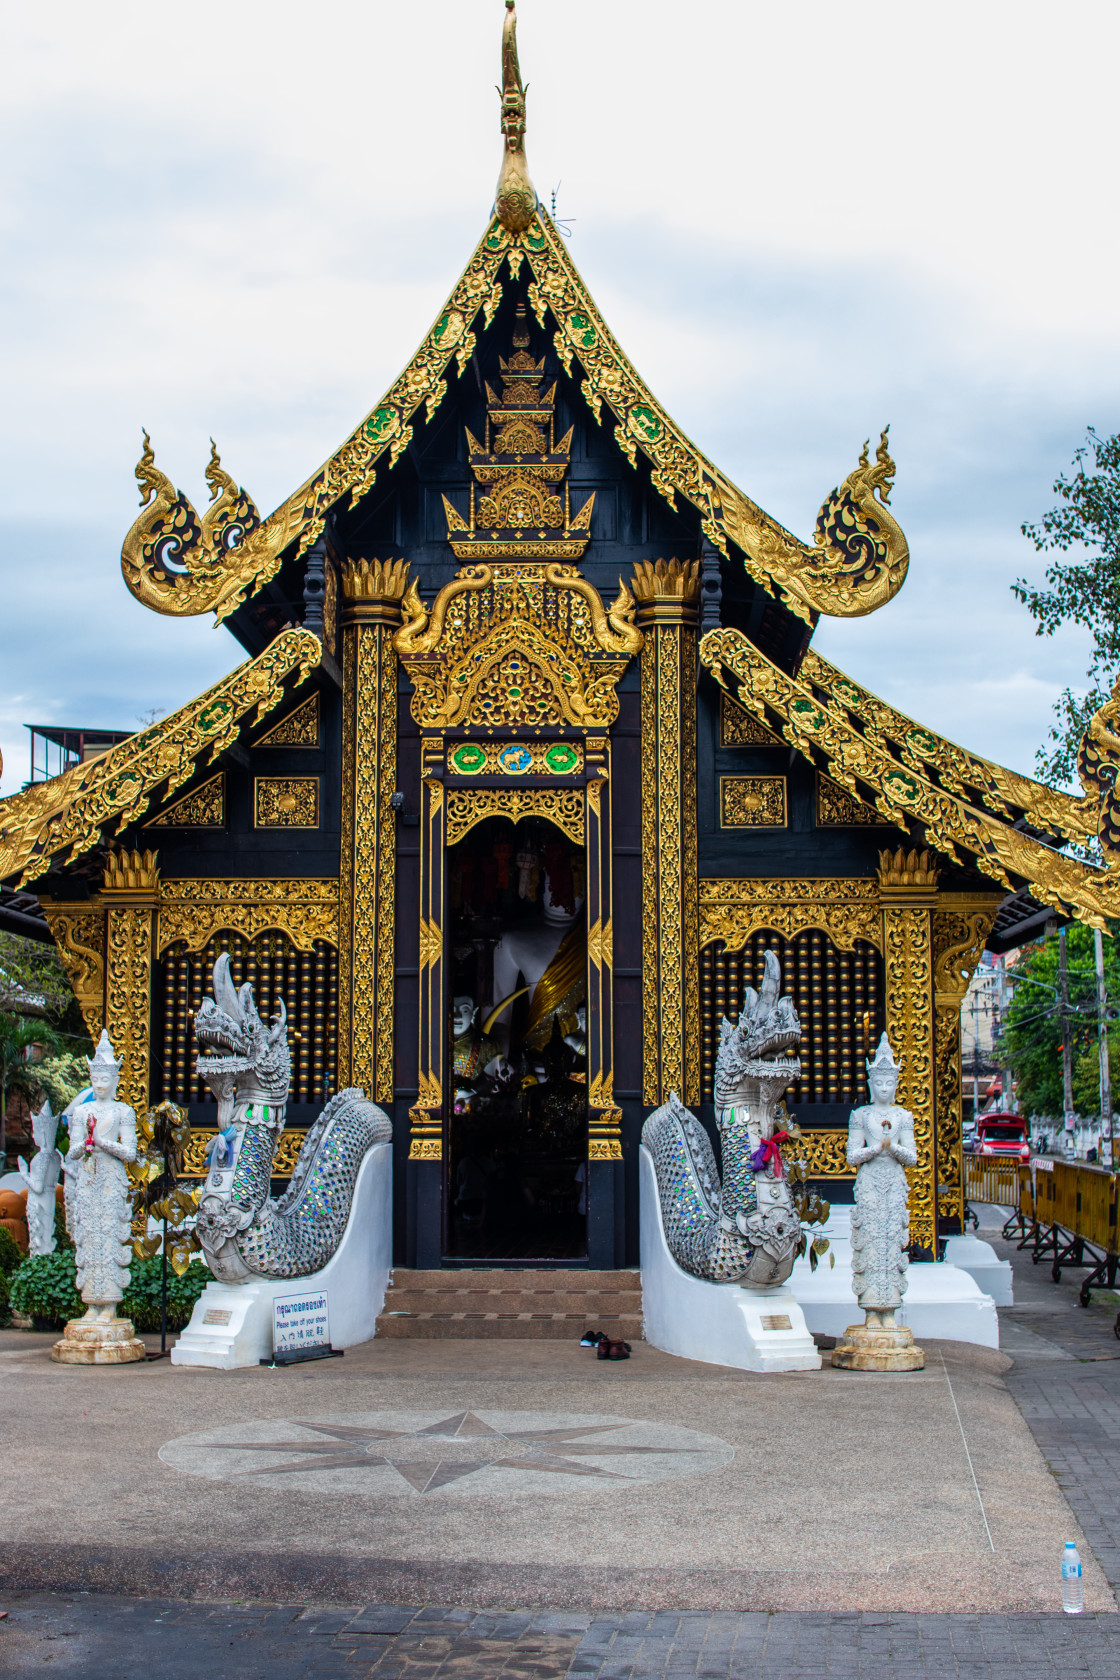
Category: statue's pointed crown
[103,1059]
[884,1057]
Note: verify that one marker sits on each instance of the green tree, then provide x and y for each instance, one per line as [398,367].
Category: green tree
[1031,1041]
[1084,589]
[18,1035]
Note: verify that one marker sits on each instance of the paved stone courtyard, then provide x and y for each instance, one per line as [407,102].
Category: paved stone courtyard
[1065,1382]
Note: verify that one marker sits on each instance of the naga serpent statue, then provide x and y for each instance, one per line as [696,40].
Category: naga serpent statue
[746,1229]
[244,1233]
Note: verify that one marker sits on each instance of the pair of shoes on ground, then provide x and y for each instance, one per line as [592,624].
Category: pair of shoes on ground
[606,1347]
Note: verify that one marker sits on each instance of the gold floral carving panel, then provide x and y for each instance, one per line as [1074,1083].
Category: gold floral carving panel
[466,807]
[823,1149]
[836,808]
[305,908]
[909,1001]
[300,728]
[752,802]
[128,991]
[286,801]
[284,1161]
[958,941]
[204,808]
[846,908]
[738,728]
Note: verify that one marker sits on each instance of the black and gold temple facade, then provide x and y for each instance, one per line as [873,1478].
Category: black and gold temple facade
[529,762]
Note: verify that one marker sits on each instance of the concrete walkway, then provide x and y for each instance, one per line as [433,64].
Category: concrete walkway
[501,1473]
[651,1571]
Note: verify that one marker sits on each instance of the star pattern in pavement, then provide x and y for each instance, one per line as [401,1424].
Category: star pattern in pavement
[447,1451]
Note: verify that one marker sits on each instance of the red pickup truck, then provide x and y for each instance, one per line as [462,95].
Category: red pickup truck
[1002,1136]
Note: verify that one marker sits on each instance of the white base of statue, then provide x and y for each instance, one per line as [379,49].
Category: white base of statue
[231,1325]
[942,1301]
[978,1259]
[717,1323]
[878,1347]
[99,1341]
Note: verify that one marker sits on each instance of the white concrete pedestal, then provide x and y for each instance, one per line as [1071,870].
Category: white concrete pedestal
[978,1259]
[718,1323]
[941,1302]
[232,1322]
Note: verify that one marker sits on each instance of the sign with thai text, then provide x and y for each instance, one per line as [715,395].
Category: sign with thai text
[300,1321]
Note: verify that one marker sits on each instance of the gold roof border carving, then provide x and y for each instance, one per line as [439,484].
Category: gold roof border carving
[192,912]
[64,817]
[1004,792]
[819,728]
[467,807]
[846,908]
[204,808]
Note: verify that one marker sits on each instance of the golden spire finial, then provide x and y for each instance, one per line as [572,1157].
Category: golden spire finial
[515,200]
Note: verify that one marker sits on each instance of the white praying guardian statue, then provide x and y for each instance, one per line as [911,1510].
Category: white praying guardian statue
[881,1146]
[41,1179]
[99,1215]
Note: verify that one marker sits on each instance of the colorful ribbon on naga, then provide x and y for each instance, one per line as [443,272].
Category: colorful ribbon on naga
[769,1153]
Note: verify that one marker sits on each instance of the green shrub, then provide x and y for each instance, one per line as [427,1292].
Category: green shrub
[62,1237]
[141,1302]
[43,1288]
[11,1254]
[5,1310]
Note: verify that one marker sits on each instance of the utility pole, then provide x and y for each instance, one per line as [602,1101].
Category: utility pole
[1005,1098]
[1063,1016]
[1102,1049]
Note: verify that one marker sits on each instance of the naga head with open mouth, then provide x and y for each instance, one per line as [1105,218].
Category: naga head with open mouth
[753,1062]
[240,1057]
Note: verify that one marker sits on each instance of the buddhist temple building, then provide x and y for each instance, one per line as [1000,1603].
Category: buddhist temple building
[529,761]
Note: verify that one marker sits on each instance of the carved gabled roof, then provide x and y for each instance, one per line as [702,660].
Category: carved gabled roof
[967,807]
[176,562]
[60,819]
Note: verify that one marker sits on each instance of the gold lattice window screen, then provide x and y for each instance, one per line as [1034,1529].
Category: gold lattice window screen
[306,980]
[839,1000]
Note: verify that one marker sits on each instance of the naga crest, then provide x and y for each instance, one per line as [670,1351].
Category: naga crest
[755,1049]
[238,1054]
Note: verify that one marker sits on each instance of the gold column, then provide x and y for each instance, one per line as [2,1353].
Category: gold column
[130,899]
[907,894]
[668,596]
[604,1119]
[961,925]
[371,612]
[426,1118]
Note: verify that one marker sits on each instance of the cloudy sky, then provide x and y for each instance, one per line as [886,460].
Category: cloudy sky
[803,220]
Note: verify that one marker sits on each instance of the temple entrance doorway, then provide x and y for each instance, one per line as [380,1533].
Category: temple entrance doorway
[515,1165]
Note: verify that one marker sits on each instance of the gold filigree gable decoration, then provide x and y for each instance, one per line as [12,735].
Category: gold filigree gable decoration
[466,807]
[78,931]
[286,802]
[846,908]
[65,816]
[300,728]
[752,802]
[1098,760]
[981,782]
[171,557]
[821,730]
[516,508]
[837,809]
[738,728]
[204,808]
[527,647]
[192,912]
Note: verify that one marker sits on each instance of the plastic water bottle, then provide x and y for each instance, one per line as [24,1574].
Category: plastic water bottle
[1072,1594]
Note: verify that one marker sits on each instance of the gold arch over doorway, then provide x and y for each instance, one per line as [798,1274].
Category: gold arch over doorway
[467,807]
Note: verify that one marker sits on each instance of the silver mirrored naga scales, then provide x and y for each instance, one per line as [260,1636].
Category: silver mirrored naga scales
[244,1233]
[743,1228]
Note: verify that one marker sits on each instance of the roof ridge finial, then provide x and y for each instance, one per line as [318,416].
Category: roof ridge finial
[515,200]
